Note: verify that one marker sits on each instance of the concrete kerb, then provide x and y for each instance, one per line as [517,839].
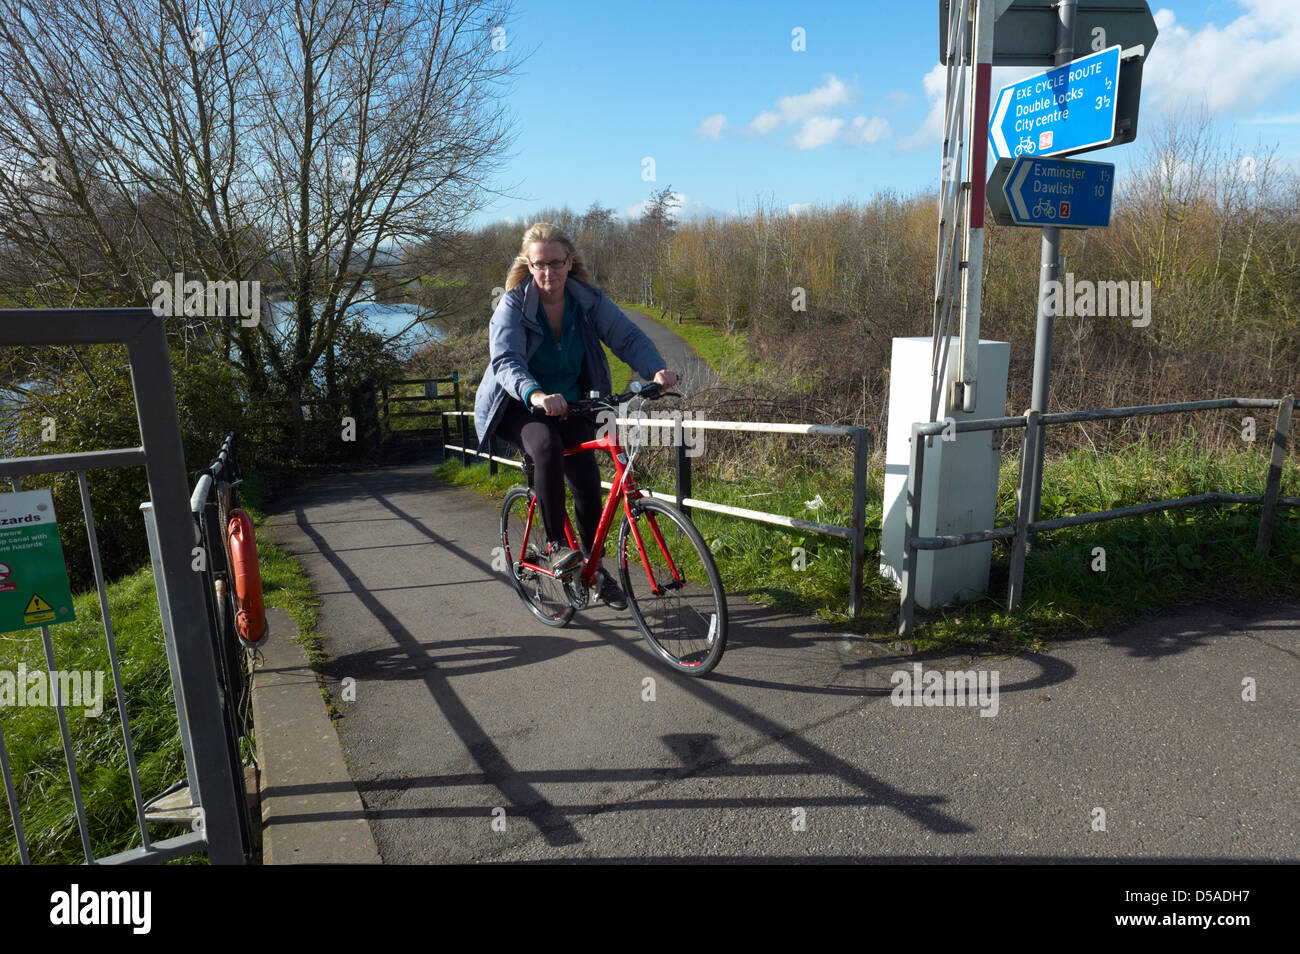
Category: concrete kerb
[311,812]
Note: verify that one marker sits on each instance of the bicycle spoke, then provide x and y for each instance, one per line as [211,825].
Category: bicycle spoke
[686,622]
[542,594]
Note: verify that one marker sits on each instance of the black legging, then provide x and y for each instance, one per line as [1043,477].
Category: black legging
[544,439]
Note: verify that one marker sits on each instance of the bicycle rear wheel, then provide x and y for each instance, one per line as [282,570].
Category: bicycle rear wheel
[685,623]
[543,595]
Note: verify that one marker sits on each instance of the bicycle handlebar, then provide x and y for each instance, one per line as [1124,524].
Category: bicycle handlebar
[650,392]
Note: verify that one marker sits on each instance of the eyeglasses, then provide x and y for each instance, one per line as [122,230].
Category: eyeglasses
[554,265]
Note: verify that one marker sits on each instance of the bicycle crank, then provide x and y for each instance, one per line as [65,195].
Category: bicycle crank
[576,590]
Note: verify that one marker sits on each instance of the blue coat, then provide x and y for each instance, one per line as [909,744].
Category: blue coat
[515,333]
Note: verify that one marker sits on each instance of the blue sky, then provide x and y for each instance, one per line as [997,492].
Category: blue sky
[714,93]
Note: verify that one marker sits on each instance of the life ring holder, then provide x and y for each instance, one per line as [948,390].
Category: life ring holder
[246,577]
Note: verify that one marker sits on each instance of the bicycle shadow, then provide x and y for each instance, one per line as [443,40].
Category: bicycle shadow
[782,653]
[456,657]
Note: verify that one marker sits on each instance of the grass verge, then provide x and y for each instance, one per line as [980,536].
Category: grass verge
[727,354]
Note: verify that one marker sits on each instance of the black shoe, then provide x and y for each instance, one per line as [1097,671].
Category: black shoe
[561,558]
[609,593]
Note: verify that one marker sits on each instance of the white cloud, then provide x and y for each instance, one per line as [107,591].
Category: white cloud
[802,106]
[692,209]
[1232,68]
[798,208]
[712,127]
[765,122]
[638,209]
[863,131]
[896,99]
[685,209]
[811,104]
[817,131]
[812,113]
[930,131]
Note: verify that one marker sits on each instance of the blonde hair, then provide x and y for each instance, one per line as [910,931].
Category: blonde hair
[545,232]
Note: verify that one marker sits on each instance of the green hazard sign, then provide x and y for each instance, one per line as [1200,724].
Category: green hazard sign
[34,587]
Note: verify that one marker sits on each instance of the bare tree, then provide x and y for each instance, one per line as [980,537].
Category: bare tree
[600,238]
[653,233]
[302,144]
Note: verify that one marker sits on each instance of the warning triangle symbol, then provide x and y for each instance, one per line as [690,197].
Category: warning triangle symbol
[37,605]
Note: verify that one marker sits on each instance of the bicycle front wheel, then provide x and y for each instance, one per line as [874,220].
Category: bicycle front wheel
[685,622]
[522,538]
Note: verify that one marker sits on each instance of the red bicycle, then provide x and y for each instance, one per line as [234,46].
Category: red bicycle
[672,584]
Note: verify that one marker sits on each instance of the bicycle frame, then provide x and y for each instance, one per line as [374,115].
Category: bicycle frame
[624,488]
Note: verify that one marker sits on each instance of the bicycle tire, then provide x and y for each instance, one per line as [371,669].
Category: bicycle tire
[543,595]
[686,625]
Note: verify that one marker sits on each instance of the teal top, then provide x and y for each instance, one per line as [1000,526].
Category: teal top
[557,364]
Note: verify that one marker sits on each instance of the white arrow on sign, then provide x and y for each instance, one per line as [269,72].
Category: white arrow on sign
[1013,190]
[1001,148]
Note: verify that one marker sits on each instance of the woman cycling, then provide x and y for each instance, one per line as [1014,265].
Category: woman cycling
[544,341]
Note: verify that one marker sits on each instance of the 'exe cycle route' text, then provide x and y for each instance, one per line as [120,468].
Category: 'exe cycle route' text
[1051,90]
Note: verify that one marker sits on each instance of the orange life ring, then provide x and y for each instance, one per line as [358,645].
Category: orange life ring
[250,618]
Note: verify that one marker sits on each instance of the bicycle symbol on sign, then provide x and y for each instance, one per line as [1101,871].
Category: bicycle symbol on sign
[1026,145]
[1044,207]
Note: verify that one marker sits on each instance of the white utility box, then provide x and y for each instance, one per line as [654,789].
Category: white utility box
[960,481]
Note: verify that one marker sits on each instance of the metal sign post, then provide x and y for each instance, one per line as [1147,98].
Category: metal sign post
[1088,100]
[1049,270]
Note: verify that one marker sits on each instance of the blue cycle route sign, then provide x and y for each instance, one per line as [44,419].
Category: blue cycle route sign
[1066,109]
[1065,193]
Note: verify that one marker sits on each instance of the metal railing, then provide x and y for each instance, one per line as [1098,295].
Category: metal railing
[215,495]
[213,757]
[1022,530]
[855,533]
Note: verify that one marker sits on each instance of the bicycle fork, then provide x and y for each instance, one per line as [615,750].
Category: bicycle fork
[655,588]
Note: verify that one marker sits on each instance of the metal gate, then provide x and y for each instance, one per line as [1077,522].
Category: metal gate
[203,709]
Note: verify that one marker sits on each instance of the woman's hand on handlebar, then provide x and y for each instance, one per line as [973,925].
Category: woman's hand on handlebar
[553,404]
[665,378]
